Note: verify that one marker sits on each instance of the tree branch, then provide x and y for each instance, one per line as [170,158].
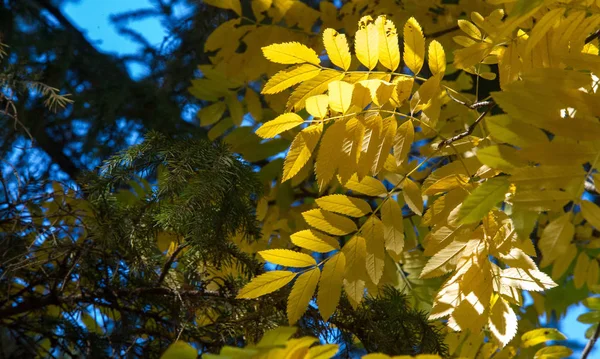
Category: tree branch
[466,133]
[590,344]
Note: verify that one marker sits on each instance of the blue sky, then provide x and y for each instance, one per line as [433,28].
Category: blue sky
[93,18]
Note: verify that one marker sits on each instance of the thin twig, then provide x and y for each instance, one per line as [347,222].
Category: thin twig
[168,264]
[466,133]
[590,344]
[592,36]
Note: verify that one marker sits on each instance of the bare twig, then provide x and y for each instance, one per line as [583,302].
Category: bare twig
[168,264]
[592,36]
[590,344]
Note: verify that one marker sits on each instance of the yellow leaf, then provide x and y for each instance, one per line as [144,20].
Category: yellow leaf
[355,289]
[236,110]
[329,154]
[561,153]
[503,321]
[541,28]
[580,271]
[260,6]
[436,58]
[393,226]
[380,91]
[340,96]
[254,105]
[382,150]
[593,273]
[361,96]
[314,241]
[403,141]
[389,53]
[180,350]
[437,265]
[412,196]
[537,336]
[234,5]
[280,124]
[349,206]
[366,42]
[549,200]
[482,200]
[355,253]
[404,87]
[414,45]
[329,222]
[290,53]
[553,352]
[470,29]
[317,105]
[301,293]
[472,55]
[285,79]
[326,351]
[368,185]
[265,283]
[211,114]
[563,262]
[591,213]
[288,258]
[330,286]
[337,48]
[370,144]
[351,148]
[500,157]
[301,151]
[517,258]
[556,239]
[375,244]
[447,183]
[377,356]
[315,86]
[505,129]
[527,279]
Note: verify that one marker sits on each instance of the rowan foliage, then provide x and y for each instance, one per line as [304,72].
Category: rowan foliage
[447,149]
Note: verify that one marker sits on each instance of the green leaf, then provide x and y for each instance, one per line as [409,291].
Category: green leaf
[537,336]
[592,303]
[180,350]
[482,200]
[553,352]
[589,318]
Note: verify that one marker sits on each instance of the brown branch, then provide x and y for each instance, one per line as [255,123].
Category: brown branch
[592,36]
[466,133]
[590,344]
[441,32]
[169,263]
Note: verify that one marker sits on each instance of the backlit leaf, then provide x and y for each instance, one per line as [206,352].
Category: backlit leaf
[337,48]
[314,241]
[280,124]
[329,222]
[287,78]
[389,52]
[349,206]
[483,199]
[302,291]
[436,58]
[288,258]
[366,42]
[301,151]
[414,45]
[265,284]
[330,286]
[290,53]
